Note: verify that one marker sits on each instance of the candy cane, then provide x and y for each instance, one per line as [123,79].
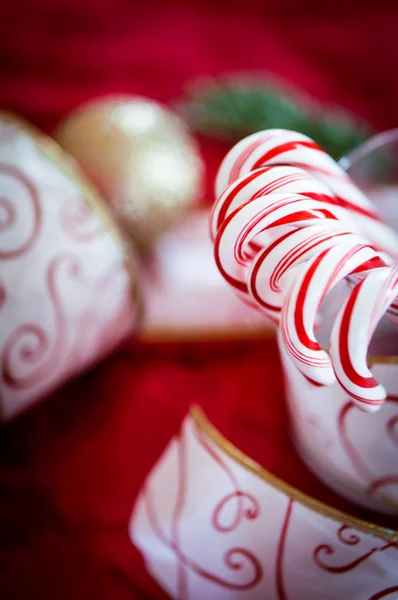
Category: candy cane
[284,240]
[316,280]
[282,147]
[233,243]
[353,330]
[276,266]
[269,180]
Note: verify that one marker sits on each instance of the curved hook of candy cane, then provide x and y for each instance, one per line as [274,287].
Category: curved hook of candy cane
[284,147]
[352,332]
[267,180]
[303,300]
[274,267]
[232,250]
[274,147]
[385,260]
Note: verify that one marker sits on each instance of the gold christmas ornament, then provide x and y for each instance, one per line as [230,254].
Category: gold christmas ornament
[141,156]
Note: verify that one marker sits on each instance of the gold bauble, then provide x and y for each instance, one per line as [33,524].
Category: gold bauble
[141,156]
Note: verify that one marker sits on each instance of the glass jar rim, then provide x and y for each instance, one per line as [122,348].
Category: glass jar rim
[373,143]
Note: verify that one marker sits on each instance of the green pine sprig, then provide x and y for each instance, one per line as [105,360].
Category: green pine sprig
[233,107]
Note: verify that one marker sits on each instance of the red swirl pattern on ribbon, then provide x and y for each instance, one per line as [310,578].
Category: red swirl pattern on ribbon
[235,558]
[352,539]
[359,465]
[324,550]
[392,424]
[384,593]
[238,495]
[298,548]
[100,331]
[374,484]
[78,221]
[241,512]
[3,295]
[392,429]
[53,229]
[8,212]
[281,551]
[30,345]
[380,483]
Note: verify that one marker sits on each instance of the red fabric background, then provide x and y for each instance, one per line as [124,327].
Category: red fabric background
[70,470]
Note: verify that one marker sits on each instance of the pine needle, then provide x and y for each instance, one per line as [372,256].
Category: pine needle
[231,108]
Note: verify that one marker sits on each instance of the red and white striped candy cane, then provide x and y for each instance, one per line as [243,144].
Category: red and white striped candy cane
[269,180]
[276,266]
[282,147]
[353,330]
[320,275]
[284,241]
[234,244]
[276,196]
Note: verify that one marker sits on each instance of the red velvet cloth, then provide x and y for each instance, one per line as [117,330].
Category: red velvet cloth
[70,470]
